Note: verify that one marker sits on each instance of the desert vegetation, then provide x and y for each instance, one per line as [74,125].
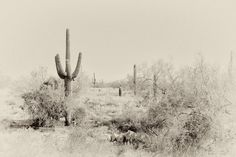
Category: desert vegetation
[157,110]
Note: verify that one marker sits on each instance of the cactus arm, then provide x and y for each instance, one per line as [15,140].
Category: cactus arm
[76,72]
[68,67]
[60,70]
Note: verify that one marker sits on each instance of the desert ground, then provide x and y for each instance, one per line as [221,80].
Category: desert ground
[91,138]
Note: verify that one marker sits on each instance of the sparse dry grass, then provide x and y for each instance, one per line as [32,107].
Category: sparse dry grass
[81,141]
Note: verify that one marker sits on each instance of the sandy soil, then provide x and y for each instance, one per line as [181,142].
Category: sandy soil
[71,142]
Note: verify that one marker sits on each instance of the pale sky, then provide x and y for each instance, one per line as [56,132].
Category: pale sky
[113,35]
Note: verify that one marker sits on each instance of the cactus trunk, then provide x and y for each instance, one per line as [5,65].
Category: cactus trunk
[66,75]
[94,80]
[120,91]
[134,81]
[68,90]
[154,86]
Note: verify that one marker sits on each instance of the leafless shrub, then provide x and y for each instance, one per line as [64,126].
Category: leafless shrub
[183,114]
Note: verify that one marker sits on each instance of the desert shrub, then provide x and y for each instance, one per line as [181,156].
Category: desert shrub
[49,104]
[44,104]
[43,96]
[185,112]
[78,116]
[194,129]
[187,108]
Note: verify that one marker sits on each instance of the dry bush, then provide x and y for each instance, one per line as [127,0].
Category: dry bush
[185,112]
[44,104]
[41,102]
[45,101]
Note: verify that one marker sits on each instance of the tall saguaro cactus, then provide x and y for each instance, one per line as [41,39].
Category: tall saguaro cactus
[135,81]
[154,86]
[66,75]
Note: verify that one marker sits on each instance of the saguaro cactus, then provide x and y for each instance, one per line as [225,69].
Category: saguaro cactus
[94,80]
[66,75]
[154,86]
[135,81]
[120,91]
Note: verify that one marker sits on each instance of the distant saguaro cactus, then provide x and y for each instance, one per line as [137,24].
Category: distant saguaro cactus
[66,75]
[94,80]
[120,91]
[154,86]
[135,81]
